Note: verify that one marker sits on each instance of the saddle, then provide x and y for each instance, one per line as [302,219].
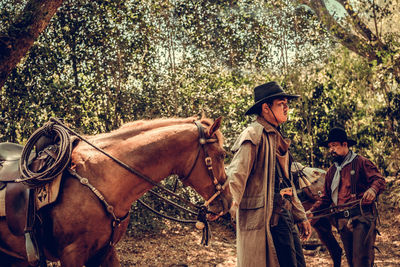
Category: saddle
[310,182]
[10,154]
[15,194]
[19,203]
[30,179]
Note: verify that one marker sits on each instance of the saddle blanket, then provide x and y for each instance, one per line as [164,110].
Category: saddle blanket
[3,202]
[45,195]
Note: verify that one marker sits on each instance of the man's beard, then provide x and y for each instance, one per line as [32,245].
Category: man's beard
[337,158]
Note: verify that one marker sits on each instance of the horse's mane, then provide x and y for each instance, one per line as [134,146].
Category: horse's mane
[155,123]
[134,128]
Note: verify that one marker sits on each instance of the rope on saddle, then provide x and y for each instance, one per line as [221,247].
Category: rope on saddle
[59,135]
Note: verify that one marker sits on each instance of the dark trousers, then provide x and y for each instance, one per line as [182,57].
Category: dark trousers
[287,242]
[359,250]
[323,227]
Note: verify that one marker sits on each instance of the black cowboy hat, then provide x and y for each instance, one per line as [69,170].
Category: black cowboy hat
[337,134]
[267,91]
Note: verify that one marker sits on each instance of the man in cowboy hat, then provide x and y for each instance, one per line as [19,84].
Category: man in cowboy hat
[352,184]
[265,204]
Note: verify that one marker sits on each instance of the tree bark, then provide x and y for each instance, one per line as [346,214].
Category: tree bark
[352,41]
[21,35]
[363,41]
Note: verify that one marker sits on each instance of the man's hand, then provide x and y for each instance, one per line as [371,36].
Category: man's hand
[369,196]
[309,214]
[305,230]
[233,210]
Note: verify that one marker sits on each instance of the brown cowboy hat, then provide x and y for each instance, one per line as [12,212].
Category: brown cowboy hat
[337,134]
[267,91]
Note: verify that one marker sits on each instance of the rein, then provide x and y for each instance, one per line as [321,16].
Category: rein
[338,209]
[54,125]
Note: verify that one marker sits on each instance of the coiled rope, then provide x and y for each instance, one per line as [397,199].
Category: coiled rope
[60,136]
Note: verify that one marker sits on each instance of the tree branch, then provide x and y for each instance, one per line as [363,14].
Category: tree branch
[360,26]
[345,37]
[23,33]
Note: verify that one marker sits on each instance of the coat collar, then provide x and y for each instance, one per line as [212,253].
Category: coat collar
[267,126]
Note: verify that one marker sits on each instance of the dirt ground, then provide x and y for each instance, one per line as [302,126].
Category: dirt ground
[180,246]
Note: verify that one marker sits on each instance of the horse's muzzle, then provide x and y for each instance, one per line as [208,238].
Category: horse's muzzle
[220,205]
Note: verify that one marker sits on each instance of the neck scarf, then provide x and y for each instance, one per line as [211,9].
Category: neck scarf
[336,178]
[282,154]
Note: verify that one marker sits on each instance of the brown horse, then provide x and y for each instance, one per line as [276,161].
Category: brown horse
[310,183]
[77,230]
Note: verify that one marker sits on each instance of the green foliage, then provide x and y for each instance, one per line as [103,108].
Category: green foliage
[100,64]
[346,91]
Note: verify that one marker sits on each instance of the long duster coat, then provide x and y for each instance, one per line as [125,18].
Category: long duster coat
[251,177]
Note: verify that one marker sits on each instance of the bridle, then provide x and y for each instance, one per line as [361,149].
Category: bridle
[202,209]
[208,162]
[64,132]
[201,221]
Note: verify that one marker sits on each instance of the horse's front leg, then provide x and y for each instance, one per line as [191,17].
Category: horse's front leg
[111,259]
[8,261]
[73,256]
[106,257]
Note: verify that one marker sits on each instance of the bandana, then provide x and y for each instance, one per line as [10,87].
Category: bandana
[336,178]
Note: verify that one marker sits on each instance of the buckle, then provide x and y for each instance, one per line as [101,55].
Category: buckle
[208,161]
[286,191]
[346,213]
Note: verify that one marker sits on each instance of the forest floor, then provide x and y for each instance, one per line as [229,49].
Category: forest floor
[179,245]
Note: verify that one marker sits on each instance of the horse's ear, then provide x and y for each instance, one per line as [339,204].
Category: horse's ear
[203,114]
[215,126]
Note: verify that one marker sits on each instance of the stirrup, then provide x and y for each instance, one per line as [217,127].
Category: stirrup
[31,249]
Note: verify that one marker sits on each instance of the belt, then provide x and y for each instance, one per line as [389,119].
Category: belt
[356,211]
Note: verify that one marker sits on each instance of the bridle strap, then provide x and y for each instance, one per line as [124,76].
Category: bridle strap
[116,221]
[192,168]
[208,161]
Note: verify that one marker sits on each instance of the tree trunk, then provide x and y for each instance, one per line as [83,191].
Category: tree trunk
[22,34]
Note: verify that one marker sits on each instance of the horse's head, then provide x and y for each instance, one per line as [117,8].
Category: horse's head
[207,176]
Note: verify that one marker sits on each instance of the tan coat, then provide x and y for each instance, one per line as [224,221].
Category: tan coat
[251,177]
